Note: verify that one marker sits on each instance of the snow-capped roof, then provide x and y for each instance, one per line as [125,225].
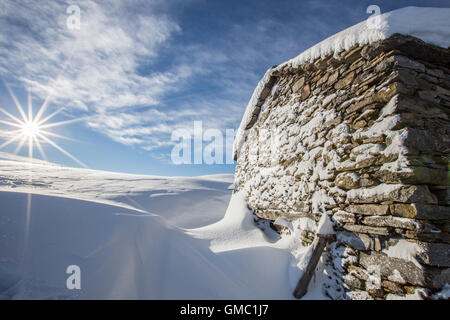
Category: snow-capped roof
[432,25]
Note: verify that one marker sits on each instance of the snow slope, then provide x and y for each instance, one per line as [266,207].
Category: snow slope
[138,192]
[432,25]
[136,237]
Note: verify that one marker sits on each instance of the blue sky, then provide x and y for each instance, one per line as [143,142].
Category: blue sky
[136,71]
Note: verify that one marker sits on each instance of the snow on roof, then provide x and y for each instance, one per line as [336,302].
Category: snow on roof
[431,25]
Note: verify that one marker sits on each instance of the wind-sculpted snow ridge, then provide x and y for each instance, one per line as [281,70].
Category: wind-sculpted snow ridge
[137,237]
[431,25]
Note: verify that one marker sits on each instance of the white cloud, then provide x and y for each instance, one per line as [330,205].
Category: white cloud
[101,59]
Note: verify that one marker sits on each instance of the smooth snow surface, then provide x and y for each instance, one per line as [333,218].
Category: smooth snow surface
[137,237]
[432,25]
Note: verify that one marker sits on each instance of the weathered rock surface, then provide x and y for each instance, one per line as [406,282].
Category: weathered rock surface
[420,211]
[365,138]
[359,241]
[435,254]
[369,209]
[393,193]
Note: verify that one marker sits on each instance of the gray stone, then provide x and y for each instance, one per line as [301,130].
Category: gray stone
[409,272]
[443,237]
[439,277]
[333,78]
[432,140]
[358,272]
[345,81]
[344,217]
[352,282]
[385,64]
[389,221]
[436,73]
[408,77]
[435,254]
[418,175]
[369,209]
[442,92]
[298,85]
[420,211]
[400,193]
[301,206]
[359,295]
[392,287]
[358,241]
[382,231]
[410,64]
[387,265]
[347,180]
[428,95]
[418,107]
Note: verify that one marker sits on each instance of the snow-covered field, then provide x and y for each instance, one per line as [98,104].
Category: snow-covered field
[136,237]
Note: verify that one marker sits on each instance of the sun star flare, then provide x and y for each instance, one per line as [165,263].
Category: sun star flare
[32,130]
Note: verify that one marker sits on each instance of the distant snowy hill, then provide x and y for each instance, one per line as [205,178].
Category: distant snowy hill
[138,192]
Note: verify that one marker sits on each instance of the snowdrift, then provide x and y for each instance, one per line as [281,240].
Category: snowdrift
[134,253]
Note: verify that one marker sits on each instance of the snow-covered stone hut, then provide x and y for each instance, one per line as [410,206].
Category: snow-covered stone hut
[357,128]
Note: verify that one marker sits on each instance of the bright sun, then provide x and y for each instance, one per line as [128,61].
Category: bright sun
[30,129]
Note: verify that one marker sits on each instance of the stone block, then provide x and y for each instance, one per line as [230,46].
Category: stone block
[431,140]
[420,211]
[392,287]
[382,231]
[387,265]
[417,175]
[352,282]
[435,254]
[298,85]
[347,180]
[392,193]
[345,81]
[343,217]
[389,221]
[358,241]
[369,209]
[396,268]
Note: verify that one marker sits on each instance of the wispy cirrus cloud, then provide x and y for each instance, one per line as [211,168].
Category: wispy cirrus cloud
[100,60]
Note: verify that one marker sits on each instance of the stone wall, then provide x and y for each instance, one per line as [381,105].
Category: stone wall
[365,138]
